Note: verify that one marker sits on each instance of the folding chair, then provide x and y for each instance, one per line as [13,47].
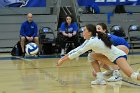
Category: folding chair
[80,34]
[118,31]
[46,37]
[134,36]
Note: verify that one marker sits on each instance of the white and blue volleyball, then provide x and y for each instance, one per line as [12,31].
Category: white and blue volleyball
[31,49]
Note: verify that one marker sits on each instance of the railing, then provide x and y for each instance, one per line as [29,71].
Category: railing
[68,11]
[64,11]
[75,7]
[58,5]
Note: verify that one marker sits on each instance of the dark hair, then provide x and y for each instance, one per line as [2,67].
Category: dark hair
[91,28]
[66,24]
[104,26]
[70,17]
[104,37]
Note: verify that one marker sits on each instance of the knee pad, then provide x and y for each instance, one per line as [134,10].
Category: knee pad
[134,75]
[90,58]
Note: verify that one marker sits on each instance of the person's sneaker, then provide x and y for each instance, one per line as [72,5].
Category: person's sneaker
[62,52]
[108,72]
[116,76]
[98,82]
[100,79]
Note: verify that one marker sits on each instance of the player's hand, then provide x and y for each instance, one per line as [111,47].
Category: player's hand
[61,60]
[59,63]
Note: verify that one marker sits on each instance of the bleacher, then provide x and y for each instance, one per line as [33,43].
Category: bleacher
[107,16]
[11,19]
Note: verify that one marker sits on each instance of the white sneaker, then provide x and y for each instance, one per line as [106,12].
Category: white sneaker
[62,51]
[107,73]
[100,79]
[98,82]
[116,76]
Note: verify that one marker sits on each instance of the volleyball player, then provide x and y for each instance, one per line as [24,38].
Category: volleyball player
[120,43]
[100,43]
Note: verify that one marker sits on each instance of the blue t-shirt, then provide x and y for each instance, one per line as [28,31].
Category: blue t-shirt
[28,29]
[71,28]
[118,40]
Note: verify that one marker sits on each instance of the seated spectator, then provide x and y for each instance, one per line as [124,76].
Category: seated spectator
[68,32]
[28,32]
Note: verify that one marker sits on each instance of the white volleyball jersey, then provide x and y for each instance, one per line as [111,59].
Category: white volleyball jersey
[98,46]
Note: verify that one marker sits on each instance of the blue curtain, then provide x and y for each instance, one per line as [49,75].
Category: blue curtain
[36,3]
[19,3]
[90,2]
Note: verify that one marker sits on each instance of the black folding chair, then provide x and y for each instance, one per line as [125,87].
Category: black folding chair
[134,36]
[46,38]
[80,34]
[118,31]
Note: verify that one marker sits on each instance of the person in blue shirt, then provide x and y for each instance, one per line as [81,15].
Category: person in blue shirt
[117,41]
[120,43]
[28,32]
[68,32]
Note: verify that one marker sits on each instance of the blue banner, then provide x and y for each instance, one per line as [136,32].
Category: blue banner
[108,2]
[22,3]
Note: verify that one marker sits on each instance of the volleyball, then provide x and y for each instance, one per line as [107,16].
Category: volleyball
[31,49]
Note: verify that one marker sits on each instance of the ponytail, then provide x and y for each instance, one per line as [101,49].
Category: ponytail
[104,37]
